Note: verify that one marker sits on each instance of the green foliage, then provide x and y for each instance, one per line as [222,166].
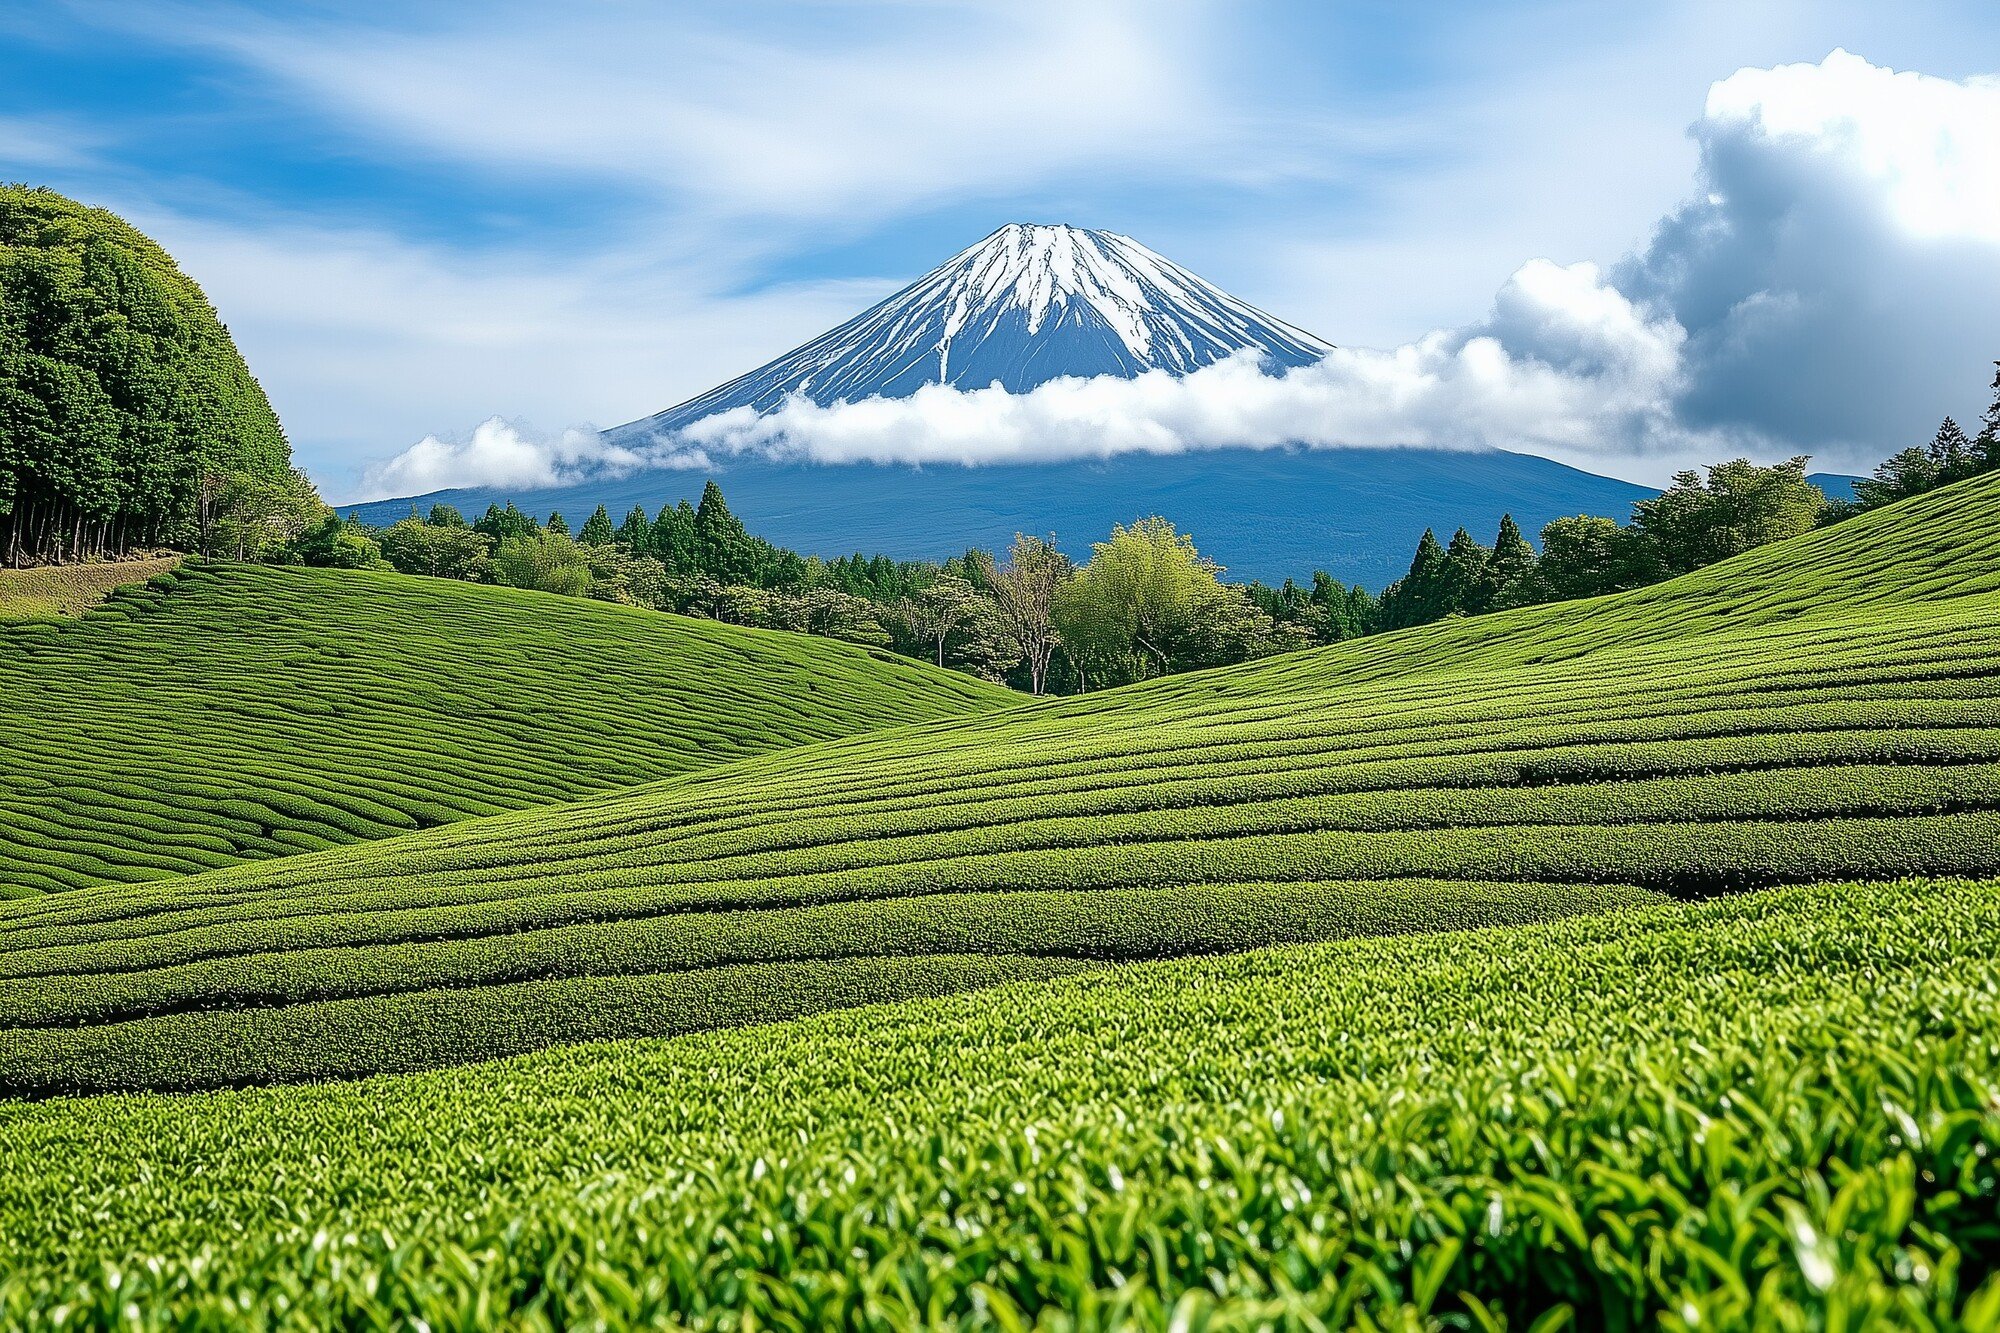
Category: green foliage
[1772,1111]
[1737,508]
[245,712]
[546,562]
[1148,604]
[597,529]
[121,393]
[438,550]
[338,543]
[1949,457]
[500,524]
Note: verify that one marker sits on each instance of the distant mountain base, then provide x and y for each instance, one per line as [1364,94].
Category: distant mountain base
[1266,514]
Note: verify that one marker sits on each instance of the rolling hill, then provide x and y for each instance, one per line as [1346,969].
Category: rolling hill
[225,713]
[1820,709]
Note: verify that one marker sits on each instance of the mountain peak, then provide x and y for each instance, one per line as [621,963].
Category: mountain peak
[1030,303]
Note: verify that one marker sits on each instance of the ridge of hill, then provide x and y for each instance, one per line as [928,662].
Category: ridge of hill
[1823,708]
[225,713]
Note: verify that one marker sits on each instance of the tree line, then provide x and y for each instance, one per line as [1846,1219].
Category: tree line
[1146,603]
[1698,520]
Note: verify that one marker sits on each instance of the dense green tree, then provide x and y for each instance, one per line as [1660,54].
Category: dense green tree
[338,543]
[1511,570]
[501,524]
[122,397]
[1739,506]
[1142,605]
[443,515]
[723,549]
[252,516]
[597,529]
[636,532]
[1419,596]
[1586,555]
[548,562]
[557,525]
[440,550]
[1467,575]
[1949,457]
[673,539]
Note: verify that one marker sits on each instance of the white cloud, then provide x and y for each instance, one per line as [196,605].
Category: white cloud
[499,452]
[1838,272]
[1563,365]
[761,116]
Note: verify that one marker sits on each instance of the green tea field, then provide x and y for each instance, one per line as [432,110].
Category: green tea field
[1776,1109]
[236,712]
[1736,729]
[1627,963]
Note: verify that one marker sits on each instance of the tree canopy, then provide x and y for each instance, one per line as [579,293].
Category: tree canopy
[125,409]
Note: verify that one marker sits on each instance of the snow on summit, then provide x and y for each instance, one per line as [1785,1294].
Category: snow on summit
[1029,304]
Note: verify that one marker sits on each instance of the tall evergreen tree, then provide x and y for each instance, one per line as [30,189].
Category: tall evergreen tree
[1465,589]
[557,525]
[445,516]
[673,539]
[723,547]
[597,529]
[1415,598]
[1986,447]
[125,409]
[636,532]
[1511,571]
[501,524]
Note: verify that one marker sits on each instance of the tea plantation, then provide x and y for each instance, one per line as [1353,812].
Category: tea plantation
[1778,1109]
[236,712]
[1740,728]
[1628,963]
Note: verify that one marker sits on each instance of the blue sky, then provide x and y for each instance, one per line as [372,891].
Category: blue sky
[416,221]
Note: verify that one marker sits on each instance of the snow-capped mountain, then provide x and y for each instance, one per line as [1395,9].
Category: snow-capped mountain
[1028,304]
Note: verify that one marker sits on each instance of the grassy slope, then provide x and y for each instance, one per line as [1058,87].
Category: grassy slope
[1826,708]
[70,590]
[1777,1108]
[241,712]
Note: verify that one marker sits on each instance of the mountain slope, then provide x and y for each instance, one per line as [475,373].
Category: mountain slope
[1267,514]
[241,712]
[1026,305]
[1823,708]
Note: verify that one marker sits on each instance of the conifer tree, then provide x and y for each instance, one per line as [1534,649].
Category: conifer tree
[673,539]
[597,530]
[1511,571]
[1986,448]
[557,524]
[1464,589]
[636,532]
[1414,598]
[722,546]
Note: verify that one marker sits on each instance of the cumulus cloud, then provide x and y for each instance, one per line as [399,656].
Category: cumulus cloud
[1838,273]
[499,452]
